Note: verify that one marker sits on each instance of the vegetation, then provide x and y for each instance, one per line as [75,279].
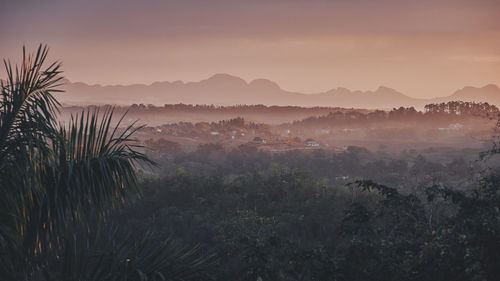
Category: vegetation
[71,209]
[289,216]
[453,111]
[204,129]
[58,185]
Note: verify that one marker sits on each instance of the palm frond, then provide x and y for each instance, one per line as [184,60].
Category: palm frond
[90,170]
[27,106]
[27,116]
[110,254]
[54,178]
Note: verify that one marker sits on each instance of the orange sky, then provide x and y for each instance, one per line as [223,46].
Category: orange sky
[421,48]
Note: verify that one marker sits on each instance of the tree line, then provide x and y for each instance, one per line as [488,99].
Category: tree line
[450,111]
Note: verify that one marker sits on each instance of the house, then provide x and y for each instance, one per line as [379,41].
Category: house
[257,140]
[338,149]
[452,127]
[311,143]
[456,126]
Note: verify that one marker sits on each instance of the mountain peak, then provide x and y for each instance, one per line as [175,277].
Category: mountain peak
[489,93]
[491,87]
[223,77]
[264,84]
[339,90]
[385,89]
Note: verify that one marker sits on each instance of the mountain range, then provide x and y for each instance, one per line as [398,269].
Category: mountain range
[224,89]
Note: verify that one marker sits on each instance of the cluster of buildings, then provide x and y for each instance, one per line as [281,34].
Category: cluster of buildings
[309,142]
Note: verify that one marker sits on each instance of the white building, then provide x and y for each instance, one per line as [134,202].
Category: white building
[312,143]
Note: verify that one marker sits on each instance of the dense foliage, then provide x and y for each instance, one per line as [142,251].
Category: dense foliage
[410,170]
[284,217]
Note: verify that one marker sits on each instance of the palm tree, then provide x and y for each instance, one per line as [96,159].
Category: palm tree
[55,179]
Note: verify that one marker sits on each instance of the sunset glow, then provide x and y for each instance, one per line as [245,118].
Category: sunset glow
[421,48]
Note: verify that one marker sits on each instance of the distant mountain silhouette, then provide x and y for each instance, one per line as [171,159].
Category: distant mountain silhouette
[225,89]
[489,93]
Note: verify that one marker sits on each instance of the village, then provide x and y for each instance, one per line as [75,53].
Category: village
[333,135]
[231,133]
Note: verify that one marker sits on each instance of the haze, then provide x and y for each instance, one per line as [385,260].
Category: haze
[422,48]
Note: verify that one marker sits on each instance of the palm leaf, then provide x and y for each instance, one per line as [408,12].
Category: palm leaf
[110,254]
[54,178]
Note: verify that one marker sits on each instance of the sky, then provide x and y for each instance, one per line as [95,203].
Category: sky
[421,48]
